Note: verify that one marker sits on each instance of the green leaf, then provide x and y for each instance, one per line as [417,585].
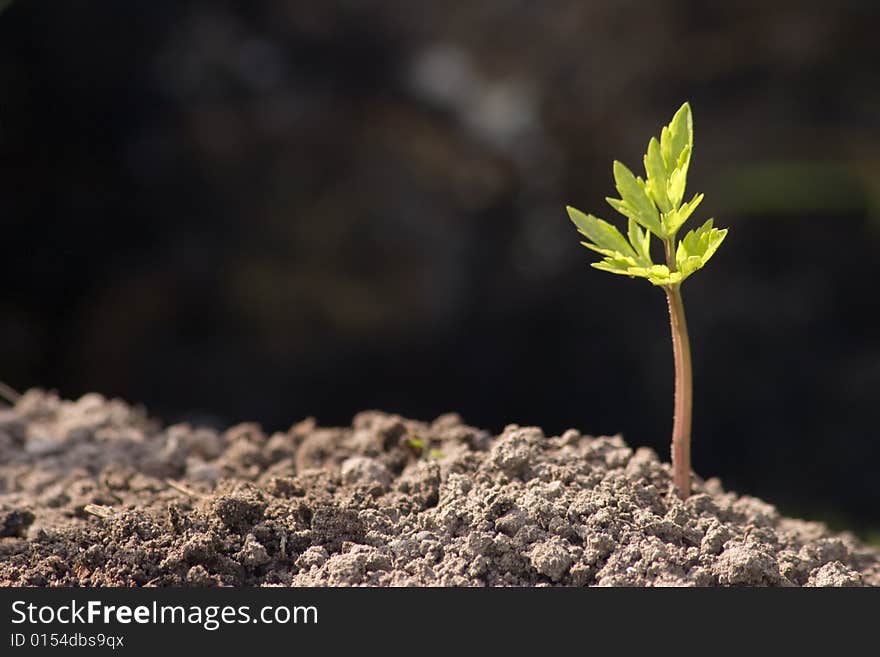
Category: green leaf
[655,170]
[416,443]
[676,219]
[609,253]
[656,274]
[675,188]
[616,264]
[633,192]
[612,267]
[641,242]
[654,206]
[600,232]
[677,136]
[678,180]
[697,247]
[629,212]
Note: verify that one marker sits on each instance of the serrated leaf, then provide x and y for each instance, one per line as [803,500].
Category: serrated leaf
[655,170]
[697,247]
[684,158]
[632,191]
[619,266]
[716,237]
[610,267]
[689,265]
[676,219]
[675,137]
[676,185]
[629,212]
[611,253]
[653,270]
[615,266]
[640,241]
[656,274]
[600,232]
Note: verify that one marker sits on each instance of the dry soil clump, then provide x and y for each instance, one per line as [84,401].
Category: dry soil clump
[93,493]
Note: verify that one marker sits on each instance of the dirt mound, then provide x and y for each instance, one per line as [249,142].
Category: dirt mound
[93,493]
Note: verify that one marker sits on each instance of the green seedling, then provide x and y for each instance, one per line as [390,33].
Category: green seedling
[655,206]
[419,448]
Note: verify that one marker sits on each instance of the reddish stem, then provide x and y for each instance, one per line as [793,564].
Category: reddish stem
[684,389]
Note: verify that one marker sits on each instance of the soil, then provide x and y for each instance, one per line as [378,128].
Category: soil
[95,493]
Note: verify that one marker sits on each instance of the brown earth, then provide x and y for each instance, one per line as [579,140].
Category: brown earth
[94,493]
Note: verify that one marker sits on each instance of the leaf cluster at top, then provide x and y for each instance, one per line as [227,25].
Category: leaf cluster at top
[654,207]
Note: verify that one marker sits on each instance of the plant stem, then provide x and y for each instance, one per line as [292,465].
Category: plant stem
[684,390]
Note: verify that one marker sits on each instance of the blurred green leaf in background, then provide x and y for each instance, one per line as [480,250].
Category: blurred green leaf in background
[792,187]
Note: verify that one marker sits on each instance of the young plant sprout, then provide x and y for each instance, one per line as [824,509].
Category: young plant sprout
[654,207]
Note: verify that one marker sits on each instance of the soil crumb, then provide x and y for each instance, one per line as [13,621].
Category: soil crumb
[94,493]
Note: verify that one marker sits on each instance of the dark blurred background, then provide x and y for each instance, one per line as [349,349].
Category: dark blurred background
[268,210]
